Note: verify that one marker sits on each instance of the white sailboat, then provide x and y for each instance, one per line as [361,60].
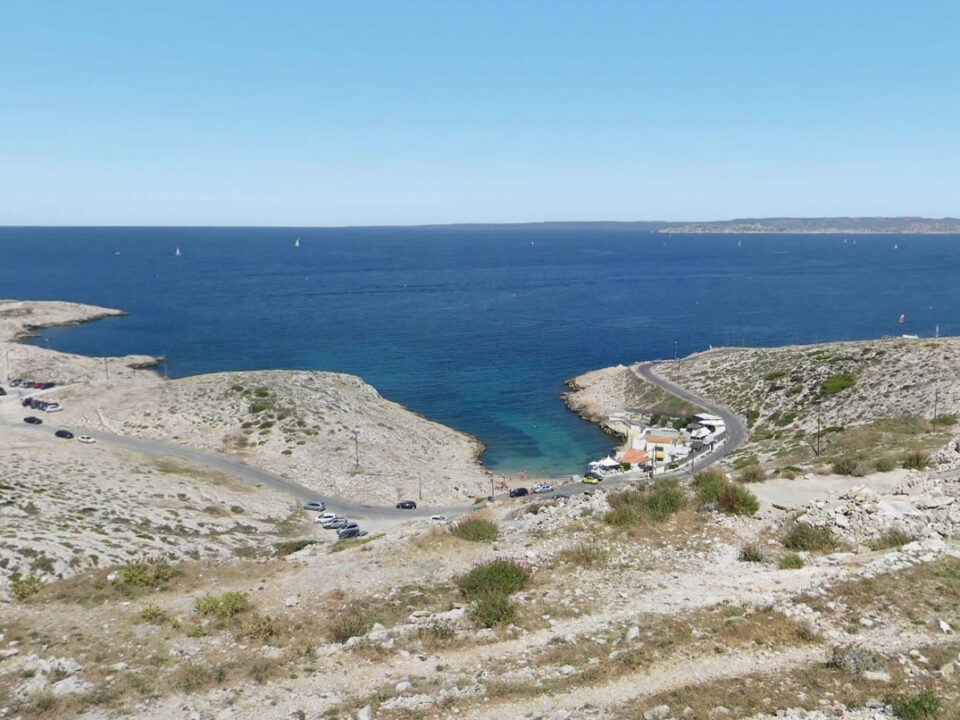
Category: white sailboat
[296,243]
[896,246]
[177,253]
[739,243]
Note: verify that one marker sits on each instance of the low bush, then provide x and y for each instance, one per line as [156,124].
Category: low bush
[262,628]
[837,383]
[752,553]
[891,539]
[921,705]
[475,530]
[354,621]
[493,611]
[232,602]
[500,577]
[885,465]
[661,502]
[152,613]
[737,500]
[752,474]
[845,466]
[709,486]
[142,576]
[291,546]
[945,421]
[810,539]
[790,561]
[915,461]
[24,587]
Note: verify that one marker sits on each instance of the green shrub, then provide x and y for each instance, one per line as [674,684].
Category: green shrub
[790,561]
[737,500]
[261,392]
[665,500]
[24,587]
[621,516]
[921,705]
[891,539]
[945,420]
[475,530]
[354,621]
[142,575]
[709,486]
[500,577]
[845,466]
[752,474]
[915,461]
[775,375]
[885,465]
[291,546]
[839,382]
[231,603]
[493,611]
[810,539]
[262,628]
[752,553]
[625,466]
[152,613]
[258,407]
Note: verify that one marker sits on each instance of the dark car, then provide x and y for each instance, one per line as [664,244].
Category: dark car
[47,385]
[65,434]
[33,420]
[2,391]
[518,492]
[406,505]
[561,496]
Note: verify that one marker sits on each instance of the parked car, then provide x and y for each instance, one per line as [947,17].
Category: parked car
[65,434]
[33,420]
[561,496]
[519,492]
[335,524]
[52,407]
[315,505]
[86,440]
[2,392]
[438,517]
[591,479]
[406,505]
[324,517]
[543,488]
[349,532]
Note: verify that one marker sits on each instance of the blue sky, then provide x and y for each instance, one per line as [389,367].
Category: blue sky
[361,112]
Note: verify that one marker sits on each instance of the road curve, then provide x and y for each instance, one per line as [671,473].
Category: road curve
[246,473]
[736,430]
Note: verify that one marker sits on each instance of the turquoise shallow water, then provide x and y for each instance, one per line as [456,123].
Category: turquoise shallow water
[475,328]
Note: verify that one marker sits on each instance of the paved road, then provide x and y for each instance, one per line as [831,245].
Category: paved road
[736,434]
[736,430]
[236,468]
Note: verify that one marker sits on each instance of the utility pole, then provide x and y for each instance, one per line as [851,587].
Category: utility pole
[676,349]
[165,365]
[420,486]
[936,402]
[106,369]
[491,486]
[7,365]
[818,431]
[356,449]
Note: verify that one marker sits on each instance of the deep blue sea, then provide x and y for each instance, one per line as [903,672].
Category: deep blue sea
[475,328]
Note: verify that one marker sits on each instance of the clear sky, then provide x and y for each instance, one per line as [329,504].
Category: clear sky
[287,112]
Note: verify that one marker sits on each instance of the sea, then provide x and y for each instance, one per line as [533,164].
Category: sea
[476,327]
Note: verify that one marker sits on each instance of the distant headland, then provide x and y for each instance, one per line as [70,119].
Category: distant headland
[824,225]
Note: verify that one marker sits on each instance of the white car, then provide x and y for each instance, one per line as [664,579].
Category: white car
[53,407]
[86,440]
[323,517]
[543,488]
[438,517]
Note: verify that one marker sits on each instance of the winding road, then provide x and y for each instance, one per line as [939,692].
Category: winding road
[385,515]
